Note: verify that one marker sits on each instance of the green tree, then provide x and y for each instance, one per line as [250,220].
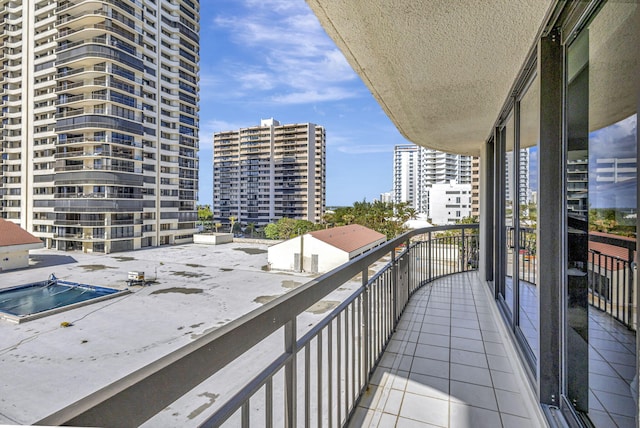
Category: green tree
[286,228]
[329,218]
[250,229]
[271,231]
[205,213]
[385,217]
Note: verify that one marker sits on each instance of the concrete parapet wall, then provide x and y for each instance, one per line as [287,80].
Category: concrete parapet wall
[258,241]
[212,238]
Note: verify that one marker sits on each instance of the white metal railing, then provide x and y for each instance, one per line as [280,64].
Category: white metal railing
[316,378]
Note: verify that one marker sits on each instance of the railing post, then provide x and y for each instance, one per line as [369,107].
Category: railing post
[630,299]
[429,261]
[394,284]
[409,276]
[463,262]
[290,374]
[366,316]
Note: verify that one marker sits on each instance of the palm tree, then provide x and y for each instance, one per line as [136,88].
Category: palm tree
[251,228]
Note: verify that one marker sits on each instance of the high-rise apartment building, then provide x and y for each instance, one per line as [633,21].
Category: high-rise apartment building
[406,168]
[267,172]
[475,186]
[100,121]
[522,182]
[416,169]
[386,197]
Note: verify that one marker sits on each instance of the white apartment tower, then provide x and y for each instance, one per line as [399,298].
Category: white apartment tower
[523,176]
[406,167]
[416,169]
[99,146]
[267,172]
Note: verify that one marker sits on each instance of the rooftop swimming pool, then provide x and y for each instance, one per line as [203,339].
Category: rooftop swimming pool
[35,300]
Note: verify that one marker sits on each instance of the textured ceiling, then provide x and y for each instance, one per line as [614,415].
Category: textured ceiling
[441,69]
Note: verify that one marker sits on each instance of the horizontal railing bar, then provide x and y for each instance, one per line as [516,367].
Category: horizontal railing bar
[148,390]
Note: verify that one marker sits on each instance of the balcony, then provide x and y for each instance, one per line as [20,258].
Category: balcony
[420,341]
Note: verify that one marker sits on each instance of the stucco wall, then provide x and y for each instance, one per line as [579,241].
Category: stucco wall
[212,238]
[14,260]
[329,257]
[282,256]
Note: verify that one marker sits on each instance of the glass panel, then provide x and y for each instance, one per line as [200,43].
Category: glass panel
[528,214]
[601,188]
[510,190]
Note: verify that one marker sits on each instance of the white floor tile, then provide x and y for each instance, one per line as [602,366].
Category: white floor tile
[425,409]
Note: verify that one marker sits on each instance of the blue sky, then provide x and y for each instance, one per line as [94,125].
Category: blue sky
[271,58]
[614,141]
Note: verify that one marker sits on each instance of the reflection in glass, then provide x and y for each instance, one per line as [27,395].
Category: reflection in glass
[528,214]
[510,192]
[601,200]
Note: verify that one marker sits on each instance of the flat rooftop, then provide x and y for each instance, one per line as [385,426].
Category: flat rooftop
[196,288]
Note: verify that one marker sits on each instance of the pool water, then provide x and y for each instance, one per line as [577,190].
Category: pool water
[47,295]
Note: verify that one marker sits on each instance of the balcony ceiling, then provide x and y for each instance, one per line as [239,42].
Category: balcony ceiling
[441,69]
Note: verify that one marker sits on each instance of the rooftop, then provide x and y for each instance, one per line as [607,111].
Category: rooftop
[11,234]
[197,289]
[350,237]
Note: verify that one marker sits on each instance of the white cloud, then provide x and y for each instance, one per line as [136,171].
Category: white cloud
[617,140]
[256,80]
[293,57]
[312,96]
[208,128]
[276,5]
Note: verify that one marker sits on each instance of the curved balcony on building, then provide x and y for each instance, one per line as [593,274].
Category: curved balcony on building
[92,205]
[98,122]
[93,29]
[95,177]
[81,6]
[98,152]
[91,140]
[82,51]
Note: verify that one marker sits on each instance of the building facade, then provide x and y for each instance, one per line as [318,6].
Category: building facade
[386,197]
[416,169]
[449,203]
[267,172]
[405,174]
[100,122]
[475,187]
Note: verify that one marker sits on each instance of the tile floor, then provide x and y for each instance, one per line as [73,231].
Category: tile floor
[449,364]
[612,359]
[612,367]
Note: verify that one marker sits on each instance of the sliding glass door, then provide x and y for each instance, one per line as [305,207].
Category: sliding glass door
[601,381]
[518,139]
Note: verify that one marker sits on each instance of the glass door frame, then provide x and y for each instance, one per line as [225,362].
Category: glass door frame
[511,112]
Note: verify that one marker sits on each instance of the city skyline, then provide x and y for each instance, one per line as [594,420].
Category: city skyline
[283,65]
